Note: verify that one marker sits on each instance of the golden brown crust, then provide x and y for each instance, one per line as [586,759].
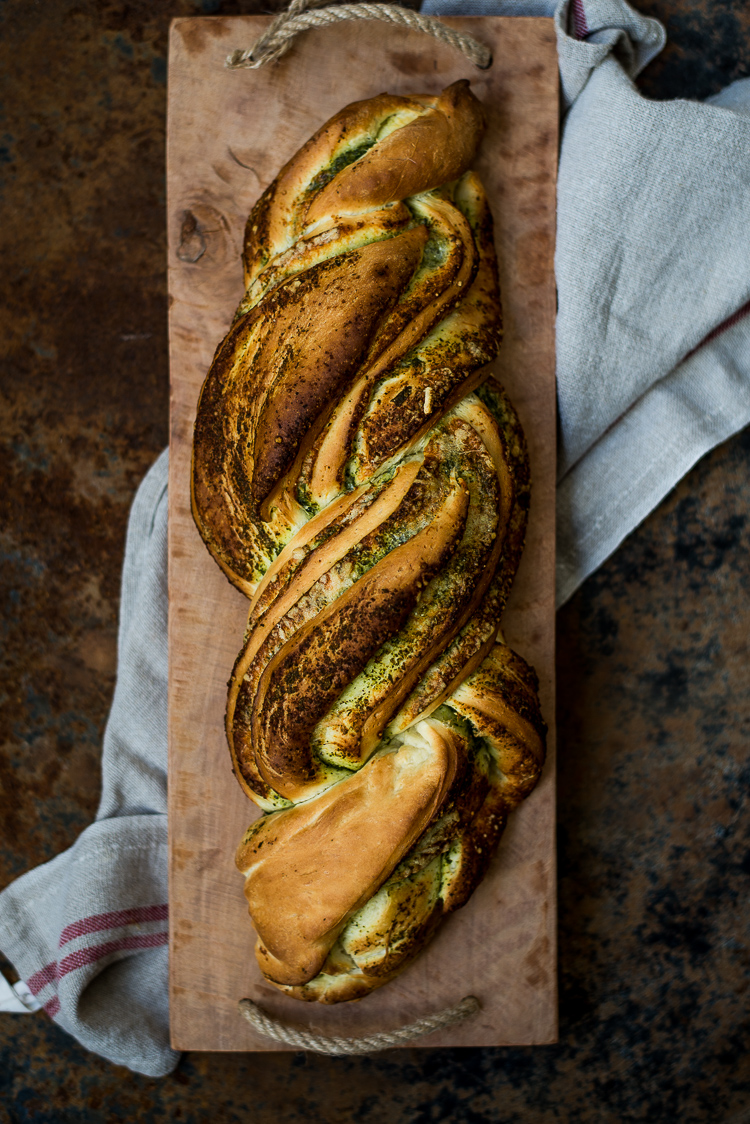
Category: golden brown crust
[435,147]
[361,480]
[285,857]
[322,325]
[277,218]
[446,864]
[307,675]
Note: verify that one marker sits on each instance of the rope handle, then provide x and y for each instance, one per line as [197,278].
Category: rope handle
[279,1031]
[300,16]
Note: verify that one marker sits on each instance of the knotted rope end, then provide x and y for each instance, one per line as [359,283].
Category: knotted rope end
[241,60]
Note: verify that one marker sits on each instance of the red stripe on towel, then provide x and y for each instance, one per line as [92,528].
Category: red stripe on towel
[44,976]
[580,26]
[99,921]
[730,321]
[93,953]
[53,1007]
[53,972]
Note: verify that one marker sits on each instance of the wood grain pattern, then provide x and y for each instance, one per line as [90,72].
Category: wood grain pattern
[228,134]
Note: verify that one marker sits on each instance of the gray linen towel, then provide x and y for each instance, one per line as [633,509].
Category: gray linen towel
[653,256]
[88,931]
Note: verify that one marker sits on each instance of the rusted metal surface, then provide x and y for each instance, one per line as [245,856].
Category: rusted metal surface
[652,657]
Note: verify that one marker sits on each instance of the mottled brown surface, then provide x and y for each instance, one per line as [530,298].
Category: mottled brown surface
[652,653]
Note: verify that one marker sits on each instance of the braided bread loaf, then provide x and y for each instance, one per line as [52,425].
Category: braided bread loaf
[360,478]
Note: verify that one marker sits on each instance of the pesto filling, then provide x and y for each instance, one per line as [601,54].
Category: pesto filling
[343,160]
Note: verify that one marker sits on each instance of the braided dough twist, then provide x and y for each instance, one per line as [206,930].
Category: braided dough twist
[359,477]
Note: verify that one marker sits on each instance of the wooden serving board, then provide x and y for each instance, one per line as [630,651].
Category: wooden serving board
[228,135]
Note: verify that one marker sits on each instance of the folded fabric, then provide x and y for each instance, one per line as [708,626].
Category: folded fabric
[653,255]
[88,931]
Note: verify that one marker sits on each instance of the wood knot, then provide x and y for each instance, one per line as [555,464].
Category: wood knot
[192,244]
[203,233]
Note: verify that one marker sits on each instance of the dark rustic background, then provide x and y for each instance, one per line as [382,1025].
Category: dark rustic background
[654,837]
